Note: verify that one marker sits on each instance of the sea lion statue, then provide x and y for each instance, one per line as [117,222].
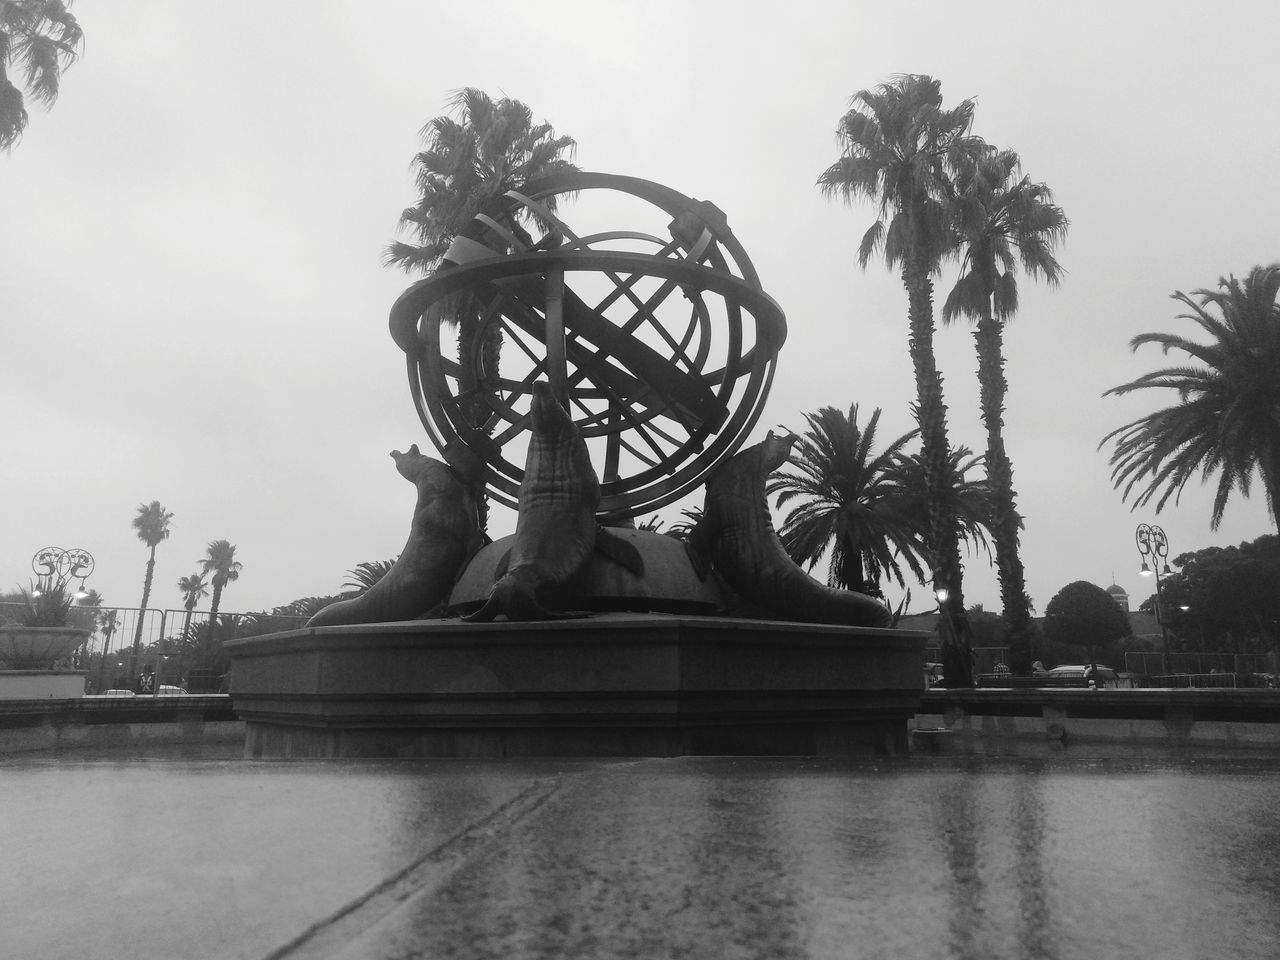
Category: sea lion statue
[556,528]
[737,534]
[444,535]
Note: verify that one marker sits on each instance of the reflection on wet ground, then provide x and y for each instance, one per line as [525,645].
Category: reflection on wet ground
[692,857]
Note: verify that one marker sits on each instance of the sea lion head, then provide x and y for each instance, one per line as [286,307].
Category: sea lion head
[435,480]
[551,421]
[775,450]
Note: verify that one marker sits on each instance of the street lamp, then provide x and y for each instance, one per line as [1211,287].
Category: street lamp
[49,563]
[1153,543]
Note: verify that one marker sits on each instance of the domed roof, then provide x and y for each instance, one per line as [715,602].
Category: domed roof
[670,584]
[1117,591]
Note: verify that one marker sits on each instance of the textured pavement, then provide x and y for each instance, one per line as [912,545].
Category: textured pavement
[694,857]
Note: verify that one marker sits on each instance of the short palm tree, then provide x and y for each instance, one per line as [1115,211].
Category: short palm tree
[152,526]
[967,501]
[221,565]
[365,575]
[108,623]
[468,166]
[41,38]
[1001,220]
[899,146]
[193,589]
[848,502]
[1227,417]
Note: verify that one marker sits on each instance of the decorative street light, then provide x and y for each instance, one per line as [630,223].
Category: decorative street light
[1153,543]
[64,565]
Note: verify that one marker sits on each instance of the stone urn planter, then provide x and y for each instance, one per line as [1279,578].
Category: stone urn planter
[38,648]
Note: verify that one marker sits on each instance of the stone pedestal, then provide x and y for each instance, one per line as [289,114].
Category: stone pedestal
[46,684]
[609,685]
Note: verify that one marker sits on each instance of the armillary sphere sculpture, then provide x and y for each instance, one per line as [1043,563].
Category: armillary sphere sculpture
[632,367]
[661,349]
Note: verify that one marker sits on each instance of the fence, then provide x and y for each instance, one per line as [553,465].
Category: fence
[985,659]
[164,638]
[1197,664]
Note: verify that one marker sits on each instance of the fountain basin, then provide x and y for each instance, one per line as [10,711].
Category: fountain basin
[614,684]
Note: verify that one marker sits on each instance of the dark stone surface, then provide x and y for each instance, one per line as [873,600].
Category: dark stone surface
[692,857]
[669,584]
[612,685]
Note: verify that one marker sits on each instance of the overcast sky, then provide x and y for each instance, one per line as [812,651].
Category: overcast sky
[193,307]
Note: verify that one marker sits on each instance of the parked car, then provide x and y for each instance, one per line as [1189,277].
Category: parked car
[170,691]
[1103,676]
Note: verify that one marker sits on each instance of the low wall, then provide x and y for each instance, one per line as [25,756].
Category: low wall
[41,684]
[992,721]
[619,684]
[115,722]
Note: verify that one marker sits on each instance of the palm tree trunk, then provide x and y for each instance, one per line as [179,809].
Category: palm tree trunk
[146,597]
[849,568]
[944,535]
[186,620]
[1005,519]
[213,613]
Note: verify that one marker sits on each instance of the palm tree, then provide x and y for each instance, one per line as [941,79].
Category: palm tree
[1227,418]
[220,562]
[365,575]
[193,589]
[967,501]
[899,146]
[108,623]
[42,39]
[152,527]
[468,166]
[1001,220]
[850,503]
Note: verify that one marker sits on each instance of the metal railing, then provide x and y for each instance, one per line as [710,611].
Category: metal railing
[985,659]
[114,630]
[1196,664]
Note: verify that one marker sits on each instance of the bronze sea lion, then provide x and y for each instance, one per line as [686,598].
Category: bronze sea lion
[445,533]
[736,532]
[556,529]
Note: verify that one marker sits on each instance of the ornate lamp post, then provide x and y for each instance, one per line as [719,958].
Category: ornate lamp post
[1153,543]
[55,567]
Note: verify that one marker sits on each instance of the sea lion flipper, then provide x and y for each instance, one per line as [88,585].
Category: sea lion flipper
[504,562]
[620,551]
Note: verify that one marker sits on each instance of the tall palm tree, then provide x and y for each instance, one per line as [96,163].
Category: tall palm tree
[899,146]
[193,589]
[849,502]
[468,166]
[219,562]
[41,38]
[1227,418]
[152,526]
[1001,219]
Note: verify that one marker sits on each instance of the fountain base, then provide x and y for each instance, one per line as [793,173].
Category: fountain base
[615,684]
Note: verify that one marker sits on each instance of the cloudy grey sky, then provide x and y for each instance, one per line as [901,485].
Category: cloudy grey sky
[192,306]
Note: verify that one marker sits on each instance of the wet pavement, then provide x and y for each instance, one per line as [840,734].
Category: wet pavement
[694,857]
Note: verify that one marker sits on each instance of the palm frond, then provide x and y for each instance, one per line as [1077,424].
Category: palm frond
[1226,420]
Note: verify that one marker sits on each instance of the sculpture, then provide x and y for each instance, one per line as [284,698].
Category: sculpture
[666,388]
[736,532]
[556,529]
[444,535]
